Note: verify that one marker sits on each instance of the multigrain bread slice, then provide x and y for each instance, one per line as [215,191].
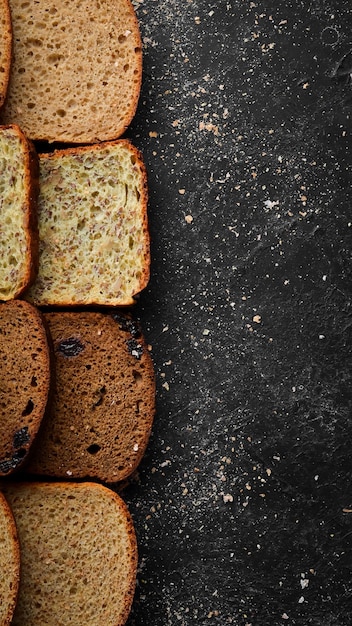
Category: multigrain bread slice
[25,371]
[78,554]
[104,402]
[93,229]
[5,48]
[9,563]
[76,69]
[19,247]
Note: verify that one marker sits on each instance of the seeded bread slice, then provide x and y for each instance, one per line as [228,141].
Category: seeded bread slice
[5,48]
[19,247]
[9,563]
[104,403]
[78,554]
[24,380]
[76,69]
[93,229]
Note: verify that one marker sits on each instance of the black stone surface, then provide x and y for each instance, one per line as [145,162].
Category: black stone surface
[243,502]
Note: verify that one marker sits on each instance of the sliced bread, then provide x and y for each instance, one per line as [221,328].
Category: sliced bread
[104,402]
[78,554]
[76,69]
[19,175]
[93,230]
[24,380]
[9,563]
[5,48]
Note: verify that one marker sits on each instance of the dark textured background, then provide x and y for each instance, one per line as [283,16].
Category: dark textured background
[243,502]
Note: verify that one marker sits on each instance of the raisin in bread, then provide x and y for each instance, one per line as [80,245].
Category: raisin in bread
[93,230]
[25,371]
[19,174]
[5,48]
[9,563]
[76,69]
[78,554]
[104,402]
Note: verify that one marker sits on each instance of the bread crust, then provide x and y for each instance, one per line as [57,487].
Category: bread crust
[12,561]
[5,48]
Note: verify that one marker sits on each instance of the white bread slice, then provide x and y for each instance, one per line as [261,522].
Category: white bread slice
[9,563]
[19,174]
[76,69]
[5,48]
[78,554]
[93,231]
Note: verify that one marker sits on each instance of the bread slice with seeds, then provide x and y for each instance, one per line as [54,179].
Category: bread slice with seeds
[104,402]
[5,48]
[19,173]
[76,69]
[9,563]
[94,243]
[78,554]
[25,374]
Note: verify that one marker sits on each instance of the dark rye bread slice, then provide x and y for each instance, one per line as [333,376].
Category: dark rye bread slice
[9,563]
[5,48]
[104,401]
[24,380]
[78,554]
[19,237]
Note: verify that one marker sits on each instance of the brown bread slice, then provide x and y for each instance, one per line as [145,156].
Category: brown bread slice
[104,402]
[78,554]
[93,229]
[76,69]
[5,48]
[9,563]
[24,380]
[19,247]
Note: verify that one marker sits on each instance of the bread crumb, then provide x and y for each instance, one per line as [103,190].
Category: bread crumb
[189,219]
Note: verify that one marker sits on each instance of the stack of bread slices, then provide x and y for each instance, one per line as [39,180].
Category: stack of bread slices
[77,384]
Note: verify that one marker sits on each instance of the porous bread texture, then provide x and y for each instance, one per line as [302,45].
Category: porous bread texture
[5,48]
[25,374]
[9,563]
[104,402]
[18,218]
[93,230]
[78,554]
[76,69]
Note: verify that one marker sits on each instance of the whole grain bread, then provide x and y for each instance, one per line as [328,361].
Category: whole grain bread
[25,372]
[5,48]
[9,563]
[93,229]
[19,174]
[76,69]
[78,554]
[104,402]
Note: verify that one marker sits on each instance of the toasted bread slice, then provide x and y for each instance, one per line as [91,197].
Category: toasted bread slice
[25,372]
[76,69]
[9,563]
[5,48]
[19,173]
[93,229]
[104,403]
[78,554]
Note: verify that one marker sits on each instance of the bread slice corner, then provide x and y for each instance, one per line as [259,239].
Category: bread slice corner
[9,563]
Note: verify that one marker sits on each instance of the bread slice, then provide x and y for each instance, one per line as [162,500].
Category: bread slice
[76,69]
[78,554]
[9,563]
[104,402]
[5,48]
[19,173]
[93,230]
[24,380]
